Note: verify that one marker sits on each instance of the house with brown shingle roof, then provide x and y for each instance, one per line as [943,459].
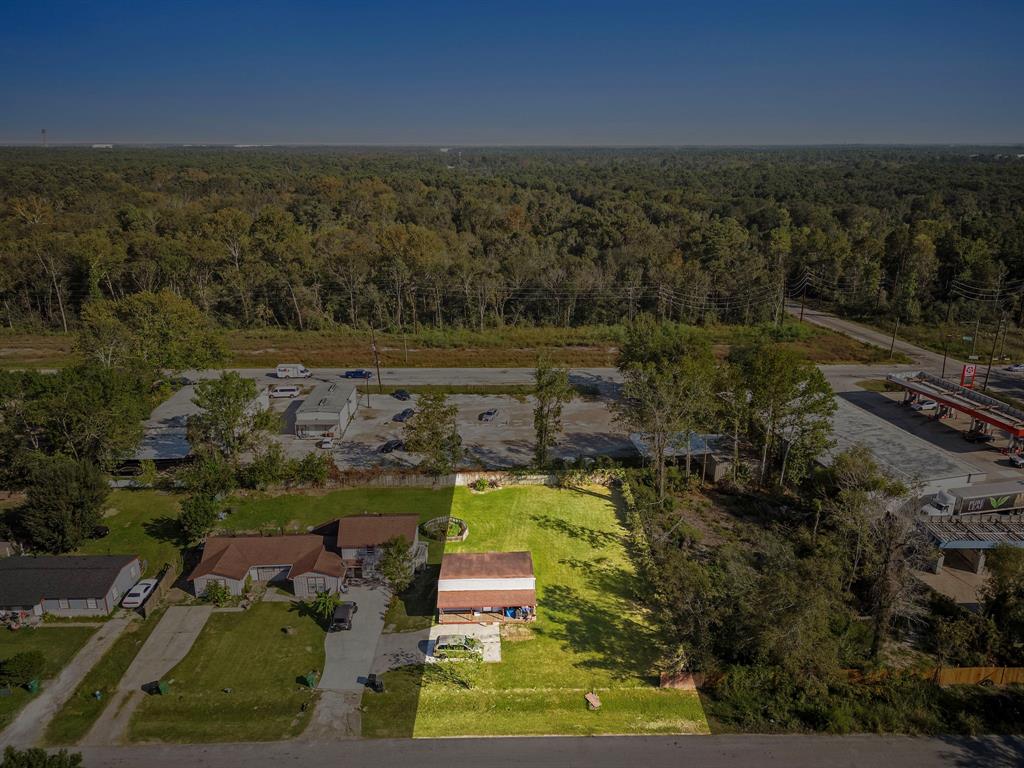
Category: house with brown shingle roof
[348,547]
[302,560]
[360,538]
[486,587]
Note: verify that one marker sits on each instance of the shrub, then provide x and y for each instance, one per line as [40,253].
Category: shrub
[40,758]
[480,485]
[215,593]
[22,668]
[312,469]
[270,467]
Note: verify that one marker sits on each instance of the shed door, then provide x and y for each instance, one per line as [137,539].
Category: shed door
[272,573]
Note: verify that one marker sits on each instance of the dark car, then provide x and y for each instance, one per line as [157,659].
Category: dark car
[404,416]
[358,373]
[392,445]
[488,415]
[342,618]
[978,437]
[401,394]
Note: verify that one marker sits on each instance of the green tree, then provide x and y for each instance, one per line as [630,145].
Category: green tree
[156,331]
[209,475]
[198,516]
[1003,600]
[229,422]
[40,758]
[396,563]
[551,391]
[64,504]
[433,432]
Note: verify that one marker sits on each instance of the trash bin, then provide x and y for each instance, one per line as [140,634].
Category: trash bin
[162,687]
[310,679]
[32,686]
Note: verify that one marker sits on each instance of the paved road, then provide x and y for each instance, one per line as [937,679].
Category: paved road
[30,723]
[411,377]
[587,752]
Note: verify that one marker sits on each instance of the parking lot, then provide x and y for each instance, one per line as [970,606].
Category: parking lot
[505,441]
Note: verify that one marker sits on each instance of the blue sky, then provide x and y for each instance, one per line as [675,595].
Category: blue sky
[634,73]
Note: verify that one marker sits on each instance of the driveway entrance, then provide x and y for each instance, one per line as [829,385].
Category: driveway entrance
[349,653]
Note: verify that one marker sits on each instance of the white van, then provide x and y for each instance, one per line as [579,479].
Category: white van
[293,371]
[288,390]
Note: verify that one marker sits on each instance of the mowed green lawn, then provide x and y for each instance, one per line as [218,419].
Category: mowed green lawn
[249,653]
[589,635]
[143,523]
[57,643]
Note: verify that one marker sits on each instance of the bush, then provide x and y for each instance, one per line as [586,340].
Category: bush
[40,758]
[22,668]
[209,475]
[312,469]
[215,593]
[480,485]
[269,468]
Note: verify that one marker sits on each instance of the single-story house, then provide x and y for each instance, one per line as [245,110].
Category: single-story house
[486,587]
[67,585]
[360,538]
[327,411]
[302,560]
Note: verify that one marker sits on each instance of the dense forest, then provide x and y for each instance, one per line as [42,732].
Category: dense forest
[311,238]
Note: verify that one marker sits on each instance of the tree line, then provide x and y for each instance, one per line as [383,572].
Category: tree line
[313,239]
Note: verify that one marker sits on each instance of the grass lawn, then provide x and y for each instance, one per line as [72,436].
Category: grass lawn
[143,523]
[57,643]
[414,609]
[79,713]
[249,653]
[589,634]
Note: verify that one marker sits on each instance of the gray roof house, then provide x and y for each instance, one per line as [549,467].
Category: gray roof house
[67,585]
[327,410]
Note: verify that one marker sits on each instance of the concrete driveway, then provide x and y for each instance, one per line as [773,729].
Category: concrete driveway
[489,636]
[349,653]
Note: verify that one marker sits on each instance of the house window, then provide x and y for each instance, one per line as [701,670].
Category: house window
[316,584]
[63,603]
[91,602]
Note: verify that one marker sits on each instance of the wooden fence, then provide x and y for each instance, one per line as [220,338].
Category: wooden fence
[168,575]
[978,675]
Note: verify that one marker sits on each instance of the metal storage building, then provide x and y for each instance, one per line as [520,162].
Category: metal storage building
[327,410]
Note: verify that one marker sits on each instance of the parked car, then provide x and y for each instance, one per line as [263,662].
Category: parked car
[974,436]
[342,618]
[488,415]
[404,416]
[391,446]
[327,443]
[457,647]
[293,371]
[137,595]
[358,373]
[288,390]
[401,394]
[1015,368]
[925,405]
[1017,460]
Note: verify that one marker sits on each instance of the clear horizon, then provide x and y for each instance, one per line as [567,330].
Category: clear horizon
[563,74]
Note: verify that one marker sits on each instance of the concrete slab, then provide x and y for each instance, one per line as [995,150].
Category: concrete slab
[488,634]
[170,643]
[350,653]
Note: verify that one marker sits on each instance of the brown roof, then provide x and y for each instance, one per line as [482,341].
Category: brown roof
[486,598]
[486,565]
[373,530]
[233,556]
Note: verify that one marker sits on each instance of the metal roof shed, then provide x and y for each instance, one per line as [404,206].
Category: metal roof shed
[327,410]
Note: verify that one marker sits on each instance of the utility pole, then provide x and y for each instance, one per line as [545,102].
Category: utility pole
[803,297]
[892,347]
[376,360]
[992,355]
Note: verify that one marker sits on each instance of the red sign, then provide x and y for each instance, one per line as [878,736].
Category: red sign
[967,375]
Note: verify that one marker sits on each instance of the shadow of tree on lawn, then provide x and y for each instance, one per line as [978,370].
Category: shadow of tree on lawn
[594,538]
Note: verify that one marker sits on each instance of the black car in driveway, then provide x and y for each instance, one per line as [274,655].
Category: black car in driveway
[401,394]
[391,446]
[488,415]
[404,416]
[342,618]
[358,373]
